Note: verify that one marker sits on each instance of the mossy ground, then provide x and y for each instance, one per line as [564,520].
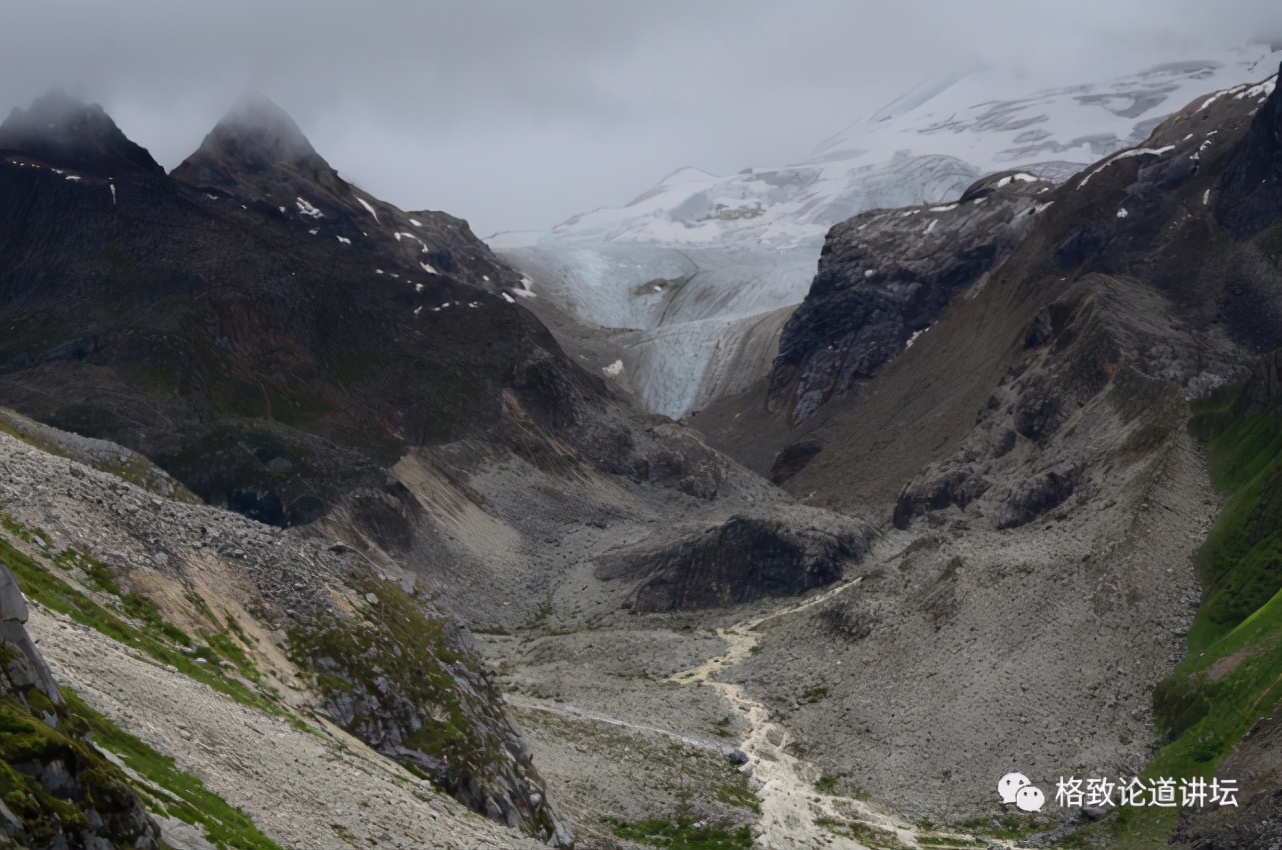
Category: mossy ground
[392,670]
[164,790]
[1008,827]
[682,831]
[396,643]
[26,741]
[869,836]
[45,580]
[737,793]
[1241,563]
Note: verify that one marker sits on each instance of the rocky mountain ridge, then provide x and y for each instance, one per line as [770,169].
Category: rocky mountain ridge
[731,253]
[1030,464]
[1066,399]
[261,336]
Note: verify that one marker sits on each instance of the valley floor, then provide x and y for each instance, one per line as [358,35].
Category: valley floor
[865,739]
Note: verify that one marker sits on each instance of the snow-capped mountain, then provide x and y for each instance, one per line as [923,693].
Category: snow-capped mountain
[701,265]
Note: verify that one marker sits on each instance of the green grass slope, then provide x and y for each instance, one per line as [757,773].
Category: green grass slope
[1233,674]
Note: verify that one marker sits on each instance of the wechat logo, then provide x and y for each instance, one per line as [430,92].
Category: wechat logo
[1015,788]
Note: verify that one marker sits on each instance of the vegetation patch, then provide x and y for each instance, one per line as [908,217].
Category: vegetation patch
[827,783]
[869,836]
[135,621]
[27,744]
[928,842]
[1233,675]
[399,680]
[168,791]
[1241,563]
[684,832]
[737,793]
[393,654]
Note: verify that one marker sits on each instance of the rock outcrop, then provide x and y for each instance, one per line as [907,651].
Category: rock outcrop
[26,669]
[742,560]
[402,679]
[56,789]
[885,276]
[58,130]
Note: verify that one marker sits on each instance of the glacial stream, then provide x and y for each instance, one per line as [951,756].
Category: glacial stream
[795,815]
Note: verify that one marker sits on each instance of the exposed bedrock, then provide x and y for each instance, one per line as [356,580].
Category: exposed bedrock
[742,560]
[884,277]
[60,791]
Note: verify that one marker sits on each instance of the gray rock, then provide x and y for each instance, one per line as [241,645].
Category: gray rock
[13,607]
[28,668]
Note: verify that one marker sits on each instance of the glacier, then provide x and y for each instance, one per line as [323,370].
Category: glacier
[693,279]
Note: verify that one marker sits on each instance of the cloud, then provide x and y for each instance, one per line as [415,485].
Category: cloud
[519,113]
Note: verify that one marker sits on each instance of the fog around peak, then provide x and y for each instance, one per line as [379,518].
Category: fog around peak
[255,120]
[63,130]
[518,114]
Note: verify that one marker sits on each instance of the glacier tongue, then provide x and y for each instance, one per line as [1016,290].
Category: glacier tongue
[679,368]
[692,324]
[694,278]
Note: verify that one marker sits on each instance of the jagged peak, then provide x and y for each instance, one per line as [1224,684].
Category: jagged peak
[67,132]
[254,138]
[254,117]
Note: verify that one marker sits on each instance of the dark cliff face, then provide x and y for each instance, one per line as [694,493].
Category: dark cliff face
[58,791]
[885,276]
[1139,294]
[263,334]
[1250,197]
[276,338]
[742,560]
[61,132]
[1183,227]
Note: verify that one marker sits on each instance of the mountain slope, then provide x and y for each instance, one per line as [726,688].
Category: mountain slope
[996,497]
[188,632]
[1032,453]
[746,244]
[366,382]
[204,310]
[265,365]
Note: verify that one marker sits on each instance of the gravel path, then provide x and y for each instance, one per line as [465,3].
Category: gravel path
[571,713]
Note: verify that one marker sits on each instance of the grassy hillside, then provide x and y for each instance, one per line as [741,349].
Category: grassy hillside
[1233,674]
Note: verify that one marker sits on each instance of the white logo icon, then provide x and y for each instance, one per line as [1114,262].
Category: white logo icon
[1030,799]
[1010,785]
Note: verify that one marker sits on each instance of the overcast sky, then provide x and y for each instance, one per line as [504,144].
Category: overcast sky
[518,114]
